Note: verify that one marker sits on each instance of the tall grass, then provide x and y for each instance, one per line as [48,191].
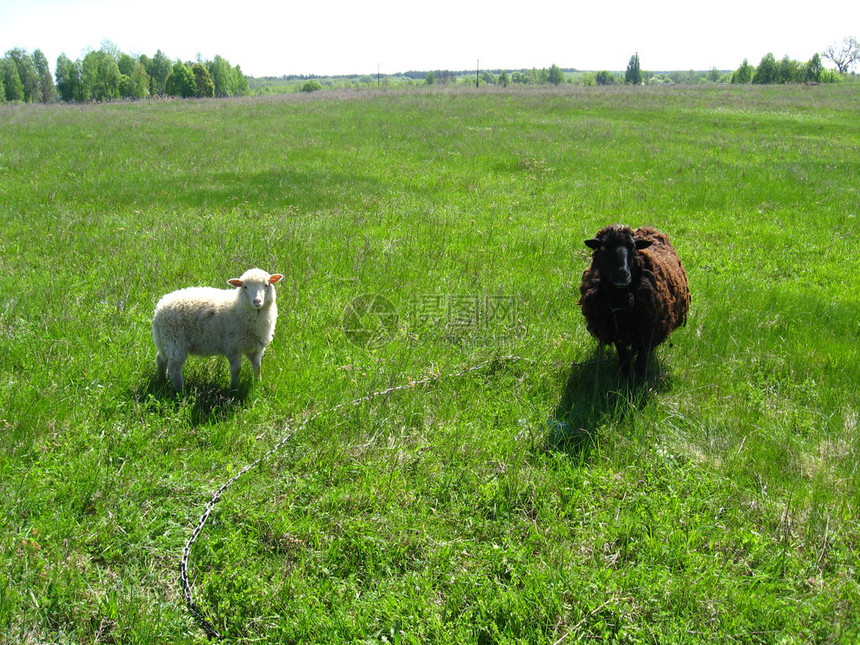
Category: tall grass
[537,500]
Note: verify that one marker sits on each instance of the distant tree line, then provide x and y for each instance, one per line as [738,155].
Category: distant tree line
[108,74]
[770,70]
[553,75]
[844,55]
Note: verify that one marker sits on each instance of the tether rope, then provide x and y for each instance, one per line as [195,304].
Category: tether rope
[187,591]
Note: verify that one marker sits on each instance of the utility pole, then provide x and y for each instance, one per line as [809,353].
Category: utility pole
[477,71]
[378,77]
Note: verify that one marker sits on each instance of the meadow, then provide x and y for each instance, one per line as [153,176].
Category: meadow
[539,498]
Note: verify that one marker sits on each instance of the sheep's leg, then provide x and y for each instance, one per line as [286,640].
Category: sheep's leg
[624,356]
[160,366]
[642,361]
[644,354]
[174,371]
[255,359]
[235,368]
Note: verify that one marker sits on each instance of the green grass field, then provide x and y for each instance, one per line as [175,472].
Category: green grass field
[537,499]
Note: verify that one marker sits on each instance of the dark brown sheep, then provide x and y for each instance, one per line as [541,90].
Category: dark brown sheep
[635,292]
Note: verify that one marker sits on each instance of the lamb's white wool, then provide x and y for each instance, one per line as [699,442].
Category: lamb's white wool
[215,322]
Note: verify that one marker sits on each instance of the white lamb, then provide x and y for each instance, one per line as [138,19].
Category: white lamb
[216,322]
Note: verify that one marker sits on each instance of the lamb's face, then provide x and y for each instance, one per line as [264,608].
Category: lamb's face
[257,293]
[257,286]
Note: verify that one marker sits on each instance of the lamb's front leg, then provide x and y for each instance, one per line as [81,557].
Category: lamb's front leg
[255,359]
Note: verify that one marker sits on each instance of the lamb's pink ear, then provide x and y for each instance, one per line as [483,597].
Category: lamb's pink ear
[235,282]
[593,243]
[277,277]
[642,244]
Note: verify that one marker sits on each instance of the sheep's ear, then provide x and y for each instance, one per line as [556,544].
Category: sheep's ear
[235,282]
[642,244]
[277,277]
[593,243]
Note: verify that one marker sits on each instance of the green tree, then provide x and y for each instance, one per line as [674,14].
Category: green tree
[124,86]
[556,76]
[767,70]
[743,74]
[180,82]
[633,75]
[659,79]
[680,77]
[222,76]
[538,76]
[2,87]
[47,91]
[813,69]
[125,63]
[27,73]
[202,81]
[311,85]
[503,80]
[159,69]
[430,78]
[240,82]
[138,82]
[604,78]
[831,76]
[101,76]
[69,81]
[12,80]
[788,71]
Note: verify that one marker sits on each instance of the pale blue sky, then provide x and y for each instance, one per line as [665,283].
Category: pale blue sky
[343,37]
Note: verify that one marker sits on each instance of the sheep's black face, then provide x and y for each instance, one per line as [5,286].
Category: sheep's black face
[614,252]
[614,264]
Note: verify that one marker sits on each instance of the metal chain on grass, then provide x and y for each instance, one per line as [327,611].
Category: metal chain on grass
[187,592]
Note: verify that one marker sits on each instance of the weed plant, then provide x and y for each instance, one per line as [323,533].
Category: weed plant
[538,500]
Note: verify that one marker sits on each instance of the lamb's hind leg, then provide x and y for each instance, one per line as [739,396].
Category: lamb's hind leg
[235,368]
[160,366]
[174,371]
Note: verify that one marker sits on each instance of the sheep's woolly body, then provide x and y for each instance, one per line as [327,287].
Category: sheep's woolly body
[640,316]
[216,322]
